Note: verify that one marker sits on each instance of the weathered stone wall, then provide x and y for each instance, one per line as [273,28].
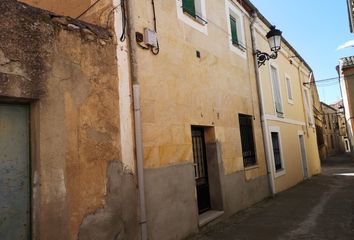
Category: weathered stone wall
[66,71]
[87,10]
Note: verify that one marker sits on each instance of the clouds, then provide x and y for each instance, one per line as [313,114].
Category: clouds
[346,45]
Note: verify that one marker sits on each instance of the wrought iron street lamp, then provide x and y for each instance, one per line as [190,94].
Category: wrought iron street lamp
[274,40]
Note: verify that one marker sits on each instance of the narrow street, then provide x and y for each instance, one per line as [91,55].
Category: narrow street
[318,209]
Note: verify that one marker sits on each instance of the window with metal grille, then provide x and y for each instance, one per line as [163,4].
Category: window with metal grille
[277,152]
[247,140]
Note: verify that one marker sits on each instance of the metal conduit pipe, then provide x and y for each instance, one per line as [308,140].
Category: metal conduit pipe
[264,125]
[137,122]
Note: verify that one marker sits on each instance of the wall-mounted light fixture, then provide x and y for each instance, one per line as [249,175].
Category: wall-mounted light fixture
[274,40]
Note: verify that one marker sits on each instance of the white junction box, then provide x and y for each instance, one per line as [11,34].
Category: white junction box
[150,37]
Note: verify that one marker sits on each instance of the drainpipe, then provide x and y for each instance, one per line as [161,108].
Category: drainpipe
[137,120]
[264,125]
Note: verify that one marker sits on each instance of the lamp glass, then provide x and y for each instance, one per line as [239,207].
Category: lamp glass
[274,42]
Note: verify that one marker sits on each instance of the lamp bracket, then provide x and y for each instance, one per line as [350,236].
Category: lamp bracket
[262,57]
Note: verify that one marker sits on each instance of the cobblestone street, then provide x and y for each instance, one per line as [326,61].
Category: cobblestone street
[320,208]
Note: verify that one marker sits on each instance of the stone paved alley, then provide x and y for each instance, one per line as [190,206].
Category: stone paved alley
[318,209]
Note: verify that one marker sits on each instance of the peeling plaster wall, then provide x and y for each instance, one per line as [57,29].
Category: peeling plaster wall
[66,71]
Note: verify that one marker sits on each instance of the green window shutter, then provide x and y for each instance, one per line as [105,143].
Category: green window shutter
[233,30]
[189,7]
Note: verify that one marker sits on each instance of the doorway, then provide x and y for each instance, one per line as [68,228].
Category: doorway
[303,155]
[201,169]
[14,172]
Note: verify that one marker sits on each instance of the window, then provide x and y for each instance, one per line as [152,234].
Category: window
[189,7]
[234,33]
[289,90]
[194,9]
[278,162]
[276,91]
[247,140]
[234,18]
[193,14]
[233,26]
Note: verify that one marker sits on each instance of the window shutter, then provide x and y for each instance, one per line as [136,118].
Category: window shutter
[189,7]
[234,30]
[276,88]
[288,85]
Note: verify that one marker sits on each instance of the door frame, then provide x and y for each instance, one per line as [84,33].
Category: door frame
[205,165]
[304,162]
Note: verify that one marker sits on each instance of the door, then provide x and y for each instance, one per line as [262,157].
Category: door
[200,169]
[14,173]
[303,155]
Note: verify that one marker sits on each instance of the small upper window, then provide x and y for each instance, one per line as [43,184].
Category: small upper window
[194,9]
[193,13]
[236,29]
[289,90]
[234,33]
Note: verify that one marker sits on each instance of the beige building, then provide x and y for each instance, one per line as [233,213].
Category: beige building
[205,131]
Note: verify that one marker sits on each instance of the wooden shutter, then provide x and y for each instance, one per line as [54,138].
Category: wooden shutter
[189,7]
[233,26]
[276,91]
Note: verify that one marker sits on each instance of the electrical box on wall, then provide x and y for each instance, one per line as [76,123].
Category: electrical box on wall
[150,37]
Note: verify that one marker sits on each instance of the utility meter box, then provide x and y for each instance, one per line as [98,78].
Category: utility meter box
[150,37]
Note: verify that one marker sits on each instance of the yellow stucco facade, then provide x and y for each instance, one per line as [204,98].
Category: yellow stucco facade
[295,117]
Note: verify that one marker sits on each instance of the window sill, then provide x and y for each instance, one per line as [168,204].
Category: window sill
[239,46]
[279,173]
[196,19]
[280,115]
[251,167]
[208,216]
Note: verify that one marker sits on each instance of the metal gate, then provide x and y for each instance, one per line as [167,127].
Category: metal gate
[200,169]
[14,173]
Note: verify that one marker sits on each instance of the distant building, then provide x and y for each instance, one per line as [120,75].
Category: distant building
[346,74]
[350,4]
[331,130]
[344,145]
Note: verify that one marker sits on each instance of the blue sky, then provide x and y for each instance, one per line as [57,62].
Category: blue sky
[315,28]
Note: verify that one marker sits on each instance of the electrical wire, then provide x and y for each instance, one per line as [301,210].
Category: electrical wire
[88,9]
[123,37]
[327,79]
[110,12]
